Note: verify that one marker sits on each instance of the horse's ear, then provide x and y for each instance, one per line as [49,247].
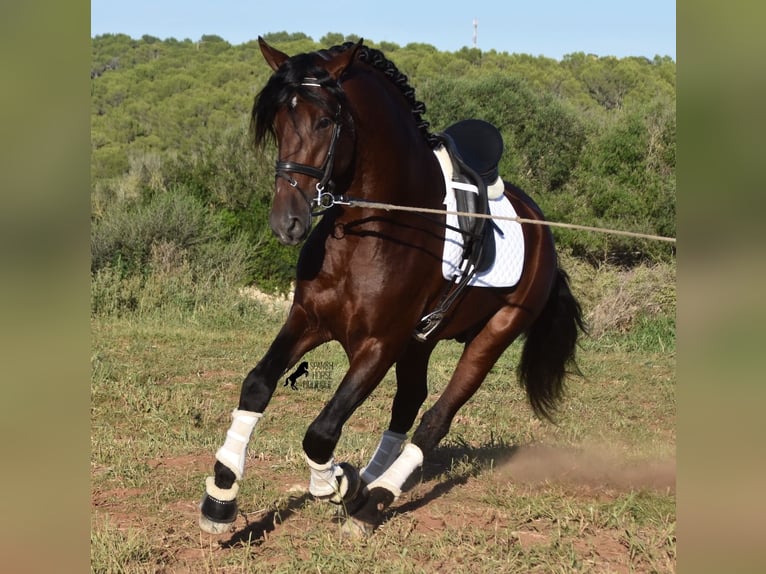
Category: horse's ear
[339,63]
[273,57]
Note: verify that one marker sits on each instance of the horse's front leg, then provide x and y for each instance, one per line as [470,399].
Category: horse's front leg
[219,504]
[339,483]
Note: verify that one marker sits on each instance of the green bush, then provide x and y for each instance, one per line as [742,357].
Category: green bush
[543,138]
[128,231]
[168,251]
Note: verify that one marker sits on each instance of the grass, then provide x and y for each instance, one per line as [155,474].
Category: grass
[116,551]
[504,492]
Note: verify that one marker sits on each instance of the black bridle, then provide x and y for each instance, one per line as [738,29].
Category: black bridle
[325,198]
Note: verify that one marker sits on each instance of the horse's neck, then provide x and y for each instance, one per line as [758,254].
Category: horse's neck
[408,179]
[398,164]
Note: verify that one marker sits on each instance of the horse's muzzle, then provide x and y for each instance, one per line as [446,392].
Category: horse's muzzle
[291,230]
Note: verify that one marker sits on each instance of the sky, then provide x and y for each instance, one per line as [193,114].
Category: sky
[550,28]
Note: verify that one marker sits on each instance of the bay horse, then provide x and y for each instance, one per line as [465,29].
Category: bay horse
[347,124]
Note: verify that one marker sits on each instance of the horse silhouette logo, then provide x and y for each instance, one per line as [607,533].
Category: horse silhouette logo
[303,369]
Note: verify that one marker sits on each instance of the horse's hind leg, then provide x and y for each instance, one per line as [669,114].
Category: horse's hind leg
[479,355]
[219,505]
[411,391]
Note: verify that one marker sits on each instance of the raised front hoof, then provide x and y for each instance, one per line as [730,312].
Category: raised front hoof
[217,516]
[370,515]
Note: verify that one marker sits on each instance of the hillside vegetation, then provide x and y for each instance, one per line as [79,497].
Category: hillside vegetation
[178,193]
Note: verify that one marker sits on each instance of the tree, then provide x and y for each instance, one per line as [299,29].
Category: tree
[331,39]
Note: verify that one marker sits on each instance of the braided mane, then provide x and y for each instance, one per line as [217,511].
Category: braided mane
[378,60]
[287,80]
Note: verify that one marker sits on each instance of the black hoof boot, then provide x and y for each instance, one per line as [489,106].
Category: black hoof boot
[355,495]
[217,516]
[349,486]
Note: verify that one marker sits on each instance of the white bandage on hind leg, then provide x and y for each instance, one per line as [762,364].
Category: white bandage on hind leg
[234,449]
[388,449]
[323,481]
[393,479]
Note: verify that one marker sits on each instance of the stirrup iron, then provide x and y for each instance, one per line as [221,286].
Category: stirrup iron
[428,325]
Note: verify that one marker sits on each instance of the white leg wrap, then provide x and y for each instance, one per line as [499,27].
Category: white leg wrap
[388,450]
[234,449]
[323,482]
[400,470]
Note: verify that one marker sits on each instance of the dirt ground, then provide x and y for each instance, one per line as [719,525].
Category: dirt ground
[431,505]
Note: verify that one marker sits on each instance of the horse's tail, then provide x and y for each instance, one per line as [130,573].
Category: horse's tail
[549,349]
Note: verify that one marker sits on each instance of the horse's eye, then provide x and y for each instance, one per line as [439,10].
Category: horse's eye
[324,123]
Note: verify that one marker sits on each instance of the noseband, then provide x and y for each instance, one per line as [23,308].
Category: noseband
[324,198]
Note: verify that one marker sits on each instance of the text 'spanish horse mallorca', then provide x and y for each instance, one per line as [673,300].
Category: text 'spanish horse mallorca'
[350,135]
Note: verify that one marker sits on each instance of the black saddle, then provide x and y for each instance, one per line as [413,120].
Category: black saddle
[475,148]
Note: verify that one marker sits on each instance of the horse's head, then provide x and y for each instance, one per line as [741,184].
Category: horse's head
[303,107]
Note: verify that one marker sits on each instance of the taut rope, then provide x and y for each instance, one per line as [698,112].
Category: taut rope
[392,207]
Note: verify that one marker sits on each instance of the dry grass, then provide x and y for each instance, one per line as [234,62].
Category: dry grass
[615,300]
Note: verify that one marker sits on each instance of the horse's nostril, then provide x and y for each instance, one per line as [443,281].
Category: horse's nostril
[296,229]
[292,231]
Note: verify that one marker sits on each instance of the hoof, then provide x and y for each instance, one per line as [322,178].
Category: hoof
[212,527]
[371,514]
[217,516]
[356,529]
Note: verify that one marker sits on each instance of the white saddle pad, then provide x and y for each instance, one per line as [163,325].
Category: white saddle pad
[506,270]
